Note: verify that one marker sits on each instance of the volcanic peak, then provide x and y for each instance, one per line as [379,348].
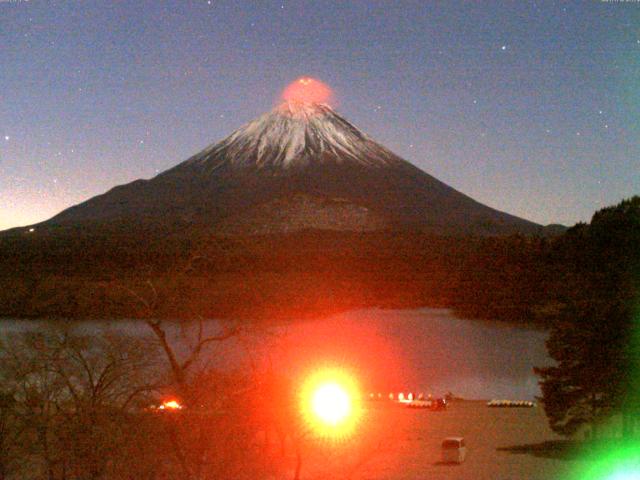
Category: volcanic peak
[296,134]
[300,166]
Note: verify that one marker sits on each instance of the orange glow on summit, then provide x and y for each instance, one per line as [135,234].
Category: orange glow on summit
[307,90]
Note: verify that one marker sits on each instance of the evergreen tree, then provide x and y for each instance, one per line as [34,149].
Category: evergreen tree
[596,338]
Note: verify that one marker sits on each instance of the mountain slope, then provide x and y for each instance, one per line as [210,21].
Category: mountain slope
[300,166]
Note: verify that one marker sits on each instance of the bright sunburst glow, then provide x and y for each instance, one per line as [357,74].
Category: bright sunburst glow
[331,403]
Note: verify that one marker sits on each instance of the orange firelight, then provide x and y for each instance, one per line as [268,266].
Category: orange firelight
[331,403]
[307,90]
[170,405]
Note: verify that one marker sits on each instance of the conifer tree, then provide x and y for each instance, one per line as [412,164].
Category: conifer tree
[596,339]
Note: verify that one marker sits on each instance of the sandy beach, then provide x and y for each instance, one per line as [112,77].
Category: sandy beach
[398,443]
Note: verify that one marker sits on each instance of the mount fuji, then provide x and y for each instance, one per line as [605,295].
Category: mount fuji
[299,167]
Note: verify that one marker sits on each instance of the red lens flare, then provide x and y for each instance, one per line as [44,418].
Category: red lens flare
[307,90]
[330,401]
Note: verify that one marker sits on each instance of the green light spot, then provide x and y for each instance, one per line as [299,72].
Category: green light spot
[625,474]
[620,461]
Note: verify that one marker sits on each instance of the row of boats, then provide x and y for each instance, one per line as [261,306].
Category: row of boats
[510,404]
[411,400]
[421,401]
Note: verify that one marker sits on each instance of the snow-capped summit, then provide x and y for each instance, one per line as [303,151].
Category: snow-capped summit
[300,166]
[295,134]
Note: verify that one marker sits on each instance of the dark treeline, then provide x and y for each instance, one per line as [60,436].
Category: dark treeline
[81,275]
[595,333]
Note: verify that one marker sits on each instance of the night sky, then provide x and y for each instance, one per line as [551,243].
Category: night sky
[529,107]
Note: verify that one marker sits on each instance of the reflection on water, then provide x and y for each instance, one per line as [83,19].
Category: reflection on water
[424,350]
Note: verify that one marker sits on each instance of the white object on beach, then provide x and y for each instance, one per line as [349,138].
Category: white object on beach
[454,450]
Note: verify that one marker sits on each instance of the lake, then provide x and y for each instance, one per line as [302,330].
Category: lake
[424,350]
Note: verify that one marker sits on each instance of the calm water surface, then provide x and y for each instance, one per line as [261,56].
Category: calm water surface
[426,350]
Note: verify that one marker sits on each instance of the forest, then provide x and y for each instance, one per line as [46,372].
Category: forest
[74,274]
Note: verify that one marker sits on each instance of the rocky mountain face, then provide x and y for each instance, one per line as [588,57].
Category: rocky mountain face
[301,166]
